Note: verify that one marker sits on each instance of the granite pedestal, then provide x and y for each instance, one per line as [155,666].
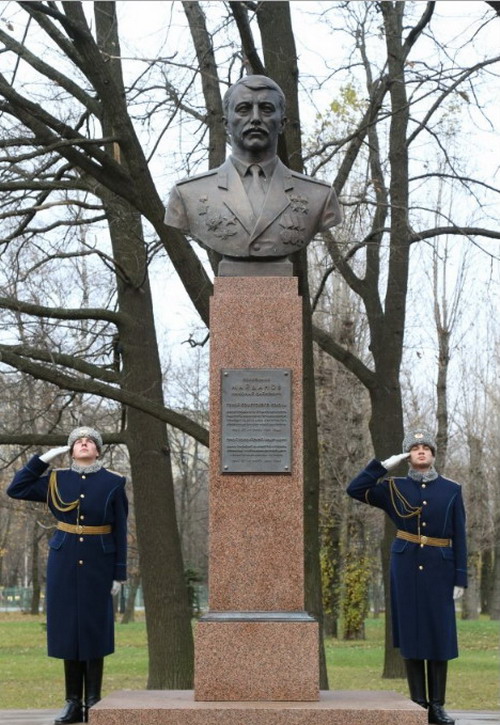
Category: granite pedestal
[257,642]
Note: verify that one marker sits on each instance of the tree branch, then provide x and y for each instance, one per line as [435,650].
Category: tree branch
[93,387]
[69,361]
[50,72]
[60,313]
[50,440]
[351,362]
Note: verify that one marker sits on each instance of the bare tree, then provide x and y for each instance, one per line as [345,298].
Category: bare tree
[86,154]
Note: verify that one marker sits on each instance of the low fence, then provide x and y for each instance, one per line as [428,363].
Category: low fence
[14,599]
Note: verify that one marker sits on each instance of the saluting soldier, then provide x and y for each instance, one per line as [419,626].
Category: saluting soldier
[86,564]
[428,563]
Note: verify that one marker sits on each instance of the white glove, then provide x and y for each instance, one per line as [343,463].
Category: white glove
[53,453]
[115,589]
[393,461]
[458,592]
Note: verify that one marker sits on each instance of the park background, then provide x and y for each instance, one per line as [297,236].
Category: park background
[105,310]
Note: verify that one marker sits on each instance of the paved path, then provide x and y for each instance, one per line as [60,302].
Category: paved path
[46,717]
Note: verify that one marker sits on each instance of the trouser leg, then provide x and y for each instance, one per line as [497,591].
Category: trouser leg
[436,681]
[93,683]
[72,711]
[415,674]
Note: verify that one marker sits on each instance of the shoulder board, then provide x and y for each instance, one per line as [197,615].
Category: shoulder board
[385,479]
[452,481]
[115,473]
[311,179]
[196,177]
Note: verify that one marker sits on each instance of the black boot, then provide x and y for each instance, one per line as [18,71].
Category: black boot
[93,683]
[436,680]
[72,711]
[415,674]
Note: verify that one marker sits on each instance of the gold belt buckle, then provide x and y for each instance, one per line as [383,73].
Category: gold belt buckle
[423,539]
[79,528]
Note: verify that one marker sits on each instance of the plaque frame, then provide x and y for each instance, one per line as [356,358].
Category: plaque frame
[255,411]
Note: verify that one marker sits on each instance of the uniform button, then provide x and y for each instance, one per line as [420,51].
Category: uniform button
[82,495]
[81,538]
[82,517]
[423,485]
[84,476]
[421,545]
[81,562]
[424,523]
[421,567]
[425,503]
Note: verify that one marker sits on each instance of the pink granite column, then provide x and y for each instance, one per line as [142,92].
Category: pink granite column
[256,642]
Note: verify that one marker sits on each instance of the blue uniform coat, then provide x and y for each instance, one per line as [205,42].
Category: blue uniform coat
[422,577]
[80,568]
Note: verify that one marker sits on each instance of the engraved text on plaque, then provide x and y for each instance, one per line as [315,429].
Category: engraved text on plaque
[256,420]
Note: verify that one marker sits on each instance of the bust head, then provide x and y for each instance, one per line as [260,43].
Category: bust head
[255,82]
[254,109]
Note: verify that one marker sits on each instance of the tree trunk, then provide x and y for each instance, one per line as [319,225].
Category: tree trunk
[330,550]
[133,586]
[170,641]
[471,601]
[486,580]
[442,396]
[356,578]
[313,597]
[35,570]
[495,584]
[386,426]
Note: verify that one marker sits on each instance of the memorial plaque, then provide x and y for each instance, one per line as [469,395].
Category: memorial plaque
[256,420]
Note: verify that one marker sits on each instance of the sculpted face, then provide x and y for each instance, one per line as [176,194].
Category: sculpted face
[254,122]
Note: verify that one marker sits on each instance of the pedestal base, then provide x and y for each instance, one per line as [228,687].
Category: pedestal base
[256,659]
[177,707]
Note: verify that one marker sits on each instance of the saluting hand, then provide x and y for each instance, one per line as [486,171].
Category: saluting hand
[393,461]
[53,453]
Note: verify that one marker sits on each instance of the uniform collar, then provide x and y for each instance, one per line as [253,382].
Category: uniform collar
[93,468]
[423,476]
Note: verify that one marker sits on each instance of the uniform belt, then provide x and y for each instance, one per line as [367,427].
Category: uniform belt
[422,539]
[81,529]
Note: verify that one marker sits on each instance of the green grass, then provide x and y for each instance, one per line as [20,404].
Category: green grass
[30,679]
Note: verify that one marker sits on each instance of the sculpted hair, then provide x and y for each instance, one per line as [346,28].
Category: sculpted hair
[256,83]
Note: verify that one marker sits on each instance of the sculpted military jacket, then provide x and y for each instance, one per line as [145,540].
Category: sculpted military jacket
[214,208]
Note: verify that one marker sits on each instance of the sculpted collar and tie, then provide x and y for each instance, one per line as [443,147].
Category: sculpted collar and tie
[229,178]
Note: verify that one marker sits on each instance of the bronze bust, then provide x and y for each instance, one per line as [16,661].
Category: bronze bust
[253,208]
